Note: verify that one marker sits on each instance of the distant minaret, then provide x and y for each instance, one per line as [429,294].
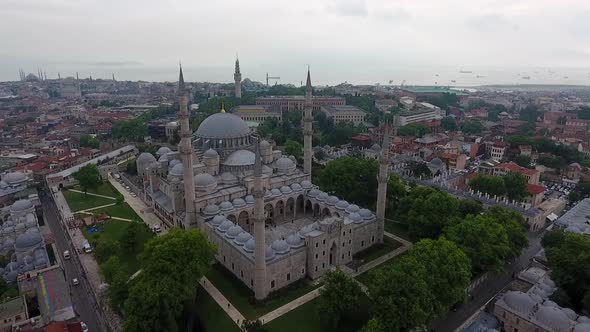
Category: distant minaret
[186,153]
[238,79]
[260,286]
[382,180]
[114,75]
[307,127]
[77,78]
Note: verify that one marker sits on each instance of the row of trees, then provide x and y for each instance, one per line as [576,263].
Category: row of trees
[136,129]
[88,141]
[545,145]
[512,185]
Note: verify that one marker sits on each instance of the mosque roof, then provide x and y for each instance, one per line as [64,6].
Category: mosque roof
[240,158]
[223,125]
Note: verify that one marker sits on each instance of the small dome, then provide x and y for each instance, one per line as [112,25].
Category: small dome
[163,158]
[275,192]
[313,193]
[211,210]
[233,231]
[436,162]
[332,200]
[226,206]
[519,301]
[280,247]
[284,164]
[322,196]
[177,170]
[223,125]
[250,245]
[294,241]
[583,319]
[307,229]
[269,254]
[267,194]
[264,144]
[355,217]
[228,178]
[240,158]
[225,226]
[365,214]
[211,154]
[553,317]
[376,147]
[28,240]
[163,151]
[21,205]
[250,199]
[15,178]
[217,220]
[569,313]
[146,158]
[238,203]
[296,187]
[342,205]
[550,303]
[306,184]
[204,180]
[242,238]
[173,163]
[286,190]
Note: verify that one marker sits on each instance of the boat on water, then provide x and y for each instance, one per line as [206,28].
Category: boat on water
[465,71]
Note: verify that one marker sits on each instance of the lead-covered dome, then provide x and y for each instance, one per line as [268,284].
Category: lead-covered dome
[21,205]
[242,238]
[217,220]
[332,200]
[286,190]
[250,199]
[295,241]
[146,158]
[204,180]
[240,158]
[519,301]
[212,154]
[250,245]
[177,170]
[233,231]
[239,202]
[225,226]
[280,247]
[14,178]
[223,125]
[306,184]
[284,165]
[163,151]
[553,317]
[28,240]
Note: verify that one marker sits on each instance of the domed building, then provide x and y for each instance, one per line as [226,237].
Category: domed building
[306,232]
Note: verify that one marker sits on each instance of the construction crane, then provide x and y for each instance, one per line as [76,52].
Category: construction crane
[271,78]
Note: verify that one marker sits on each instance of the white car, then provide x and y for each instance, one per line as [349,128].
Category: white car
[84,327]
[87,248]
[75,282]
[156,229]
[133,195]
[67,255]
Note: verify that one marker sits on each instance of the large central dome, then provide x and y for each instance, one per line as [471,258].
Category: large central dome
[223,125]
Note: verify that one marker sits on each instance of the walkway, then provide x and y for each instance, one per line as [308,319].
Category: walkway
[290,306]
[91,194]
[229,309]
[95,208]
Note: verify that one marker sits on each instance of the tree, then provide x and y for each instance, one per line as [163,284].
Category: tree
[514,225]
[524,161]
[449,123]
[419,169]
[556,162]
[171,266]
[295,149]
[88,177]
[483,240]
[470,206]
[106,249]
[427,211]
[120,199]
[516,186]
[339,297]
[471,127]
[584,113]
[130,237]
[175,139]
[396,191]
[488,184]
[111,267]
[88,141]
[529,114]
[413,129]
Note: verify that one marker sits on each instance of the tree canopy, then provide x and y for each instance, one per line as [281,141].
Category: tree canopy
[87,141]
[516,186]
[413,129]
[88,177]
[339,297]
[472,127]
[512,185]
[449,123]
[295,149]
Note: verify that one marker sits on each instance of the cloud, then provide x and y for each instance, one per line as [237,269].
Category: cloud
[354,8]
[116,63]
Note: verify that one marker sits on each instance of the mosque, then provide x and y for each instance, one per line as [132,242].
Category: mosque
[272,226]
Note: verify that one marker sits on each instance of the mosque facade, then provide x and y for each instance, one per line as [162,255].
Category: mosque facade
[272,226]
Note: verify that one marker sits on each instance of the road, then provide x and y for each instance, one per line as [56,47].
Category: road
[82,299]
[488,289]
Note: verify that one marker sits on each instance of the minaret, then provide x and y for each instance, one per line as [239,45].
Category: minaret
[382,180]
[307,128]
[186,153]
[238,79]
[114,75]
[260,286]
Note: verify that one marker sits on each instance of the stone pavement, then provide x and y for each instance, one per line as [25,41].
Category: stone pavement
[290,306]
[91,194]
[96,208]
[223,302]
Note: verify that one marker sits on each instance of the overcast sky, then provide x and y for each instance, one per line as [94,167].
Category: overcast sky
[334,36]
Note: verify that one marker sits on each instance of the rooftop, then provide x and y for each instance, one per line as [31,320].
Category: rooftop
[432,89]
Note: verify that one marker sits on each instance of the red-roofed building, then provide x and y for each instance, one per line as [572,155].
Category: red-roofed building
[454,160]
[532,175]
[536,192]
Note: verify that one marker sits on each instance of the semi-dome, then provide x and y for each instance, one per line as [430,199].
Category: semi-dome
[306,184]
[173,163]
[284,164]
[269,254]
[177,170]
[519,301]
[250,199]
[239,202]
[294,241]
[228,178]
[225,226]
[264,144]
[250,245]
[210,154]
[28,240]
[275,192]
[296,187]
[15,178]
[342,205]
[322,196]
[162,151]
[146,158]
[242,238]
[233,231]
[313,193]
[223,125]
[211,210]
[280,247]
[240,158]
[332,200]
[286,190]
[217,220]
[226,206]
[365,214]
[21,205]
[553,317]
[204,180]
[355,217]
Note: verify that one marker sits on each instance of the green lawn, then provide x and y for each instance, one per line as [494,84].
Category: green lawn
[400,230]
[113,230]
[104,188]
[212,315]
[306,318]
[78,201]
[376,251]
[241,296]
[365,277]
[121,211]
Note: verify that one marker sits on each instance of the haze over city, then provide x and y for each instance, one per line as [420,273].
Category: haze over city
[360,41]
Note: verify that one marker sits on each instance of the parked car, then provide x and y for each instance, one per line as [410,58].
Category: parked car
[84,327]
[66,254]
[87,248]
[75,282]
[156,229]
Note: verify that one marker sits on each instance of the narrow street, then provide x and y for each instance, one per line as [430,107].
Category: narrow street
[82,299]
[488,289]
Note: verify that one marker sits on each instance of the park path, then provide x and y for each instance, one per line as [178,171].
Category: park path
[95,208]
[278,312]
[91,194]
[222,301]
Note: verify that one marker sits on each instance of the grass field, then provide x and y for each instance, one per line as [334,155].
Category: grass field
[121,211]
[113,230]
[376,251]
[105,189]
[400,230]
[212,315]
[240,295]
[78,201]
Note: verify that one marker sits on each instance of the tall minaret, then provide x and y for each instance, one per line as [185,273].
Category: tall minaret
[382,179]
[238,79]
[186,153]
[307,127]
[260,286]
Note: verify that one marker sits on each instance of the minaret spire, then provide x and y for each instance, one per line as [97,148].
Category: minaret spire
[260,285]
[186,153]
[382,179]
[238,79]
[307,127]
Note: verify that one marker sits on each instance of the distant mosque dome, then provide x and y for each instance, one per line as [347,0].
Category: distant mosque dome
[240,158]
[223,125]
[204,180]
[177,170]
[146,158]
[211,154]
[15,178]
[163,150]
[284,165]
